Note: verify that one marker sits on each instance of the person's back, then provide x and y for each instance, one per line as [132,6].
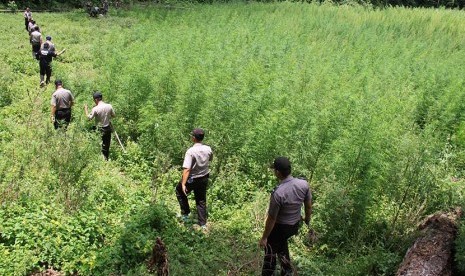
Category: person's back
[30,27]
[62,99]
[290,196]
[27,18]
[61,103]
[48,41]
[35,37]
[46,55]
[103,112]
[36,41]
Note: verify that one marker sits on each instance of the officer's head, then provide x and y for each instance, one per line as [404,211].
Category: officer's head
[198,134]
[97,96]
[282,167]
[58,83]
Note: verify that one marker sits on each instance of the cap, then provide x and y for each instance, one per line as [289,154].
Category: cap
[97,95]
[48,38]
[281,164]
[58,82]
[198,133]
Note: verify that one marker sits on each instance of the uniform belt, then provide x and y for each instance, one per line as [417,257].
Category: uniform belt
[198,178]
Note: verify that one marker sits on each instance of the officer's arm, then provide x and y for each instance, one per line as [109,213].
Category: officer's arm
[52,112]
[269,224]
[185,176]
[308,210]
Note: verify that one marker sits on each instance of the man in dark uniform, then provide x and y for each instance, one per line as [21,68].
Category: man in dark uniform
[45,57]
[284,217]
[195,177]
[61,103]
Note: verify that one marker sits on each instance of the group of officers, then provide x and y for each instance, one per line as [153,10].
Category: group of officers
[62,99]
[284,211]
[60,113]
[43,51]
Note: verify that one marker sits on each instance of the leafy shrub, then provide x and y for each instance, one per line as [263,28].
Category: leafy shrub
[460,249]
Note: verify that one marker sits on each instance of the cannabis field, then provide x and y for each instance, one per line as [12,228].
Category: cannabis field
[369,104]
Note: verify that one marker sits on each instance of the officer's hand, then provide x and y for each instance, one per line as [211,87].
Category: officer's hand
[184,189]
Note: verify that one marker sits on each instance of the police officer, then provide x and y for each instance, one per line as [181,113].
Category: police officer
[284,216]
[62,101]
[102,112]
[195,177]
[48,40]
[36,40]
[27,17]
[45,57]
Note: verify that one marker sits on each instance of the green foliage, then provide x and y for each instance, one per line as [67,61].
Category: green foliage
[367,104]
[460,249]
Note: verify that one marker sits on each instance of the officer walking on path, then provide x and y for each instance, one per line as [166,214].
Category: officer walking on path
[102,112]
[62,101]
[45,57]
[195,178]
[27,17]
[284,217]
[36,41]
[48,40]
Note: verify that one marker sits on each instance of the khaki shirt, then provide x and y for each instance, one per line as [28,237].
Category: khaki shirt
[35,37]
[102,113]
[62,99]
[197,159]
[27,15]
[51,46]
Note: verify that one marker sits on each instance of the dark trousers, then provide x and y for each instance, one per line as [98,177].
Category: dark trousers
[62,118]
[26,22]
[35,48]
[106,140]
[277,244]
[199,186]
[45,69]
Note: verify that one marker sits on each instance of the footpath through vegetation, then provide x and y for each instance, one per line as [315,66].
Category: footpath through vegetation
[368,104]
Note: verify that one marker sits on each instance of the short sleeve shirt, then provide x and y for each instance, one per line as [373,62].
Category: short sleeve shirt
[102,113]
[197,159]
[27,15]
[51,46]
[35,37]
[62,99]
[287,199]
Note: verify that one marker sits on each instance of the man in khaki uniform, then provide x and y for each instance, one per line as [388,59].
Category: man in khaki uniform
[102,112]
[27,17]
[61,103]
[195,177]
[36,41]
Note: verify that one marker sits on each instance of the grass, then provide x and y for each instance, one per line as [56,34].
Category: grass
[367,103]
